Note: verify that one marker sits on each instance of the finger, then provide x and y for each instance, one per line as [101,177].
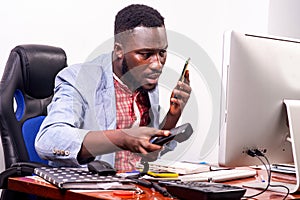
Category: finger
[174,101]
[142,150]
[162,133]
[149,147]
[176,92]
[182,86]
[180,94]
[153,147]
[179,103]
[184,96]
[187,77]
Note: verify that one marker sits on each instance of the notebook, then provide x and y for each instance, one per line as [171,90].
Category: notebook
[177,167]
[219,175]
[81,178]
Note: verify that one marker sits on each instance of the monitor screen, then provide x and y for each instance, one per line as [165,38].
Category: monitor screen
[259,72]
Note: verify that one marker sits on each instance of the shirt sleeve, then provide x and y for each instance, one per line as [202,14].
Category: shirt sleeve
[61,134]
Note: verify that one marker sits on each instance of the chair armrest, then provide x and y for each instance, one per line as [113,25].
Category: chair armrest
[18,169]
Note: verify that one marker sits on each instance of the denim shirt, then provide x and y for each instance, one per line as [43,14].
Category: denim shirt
[84,100]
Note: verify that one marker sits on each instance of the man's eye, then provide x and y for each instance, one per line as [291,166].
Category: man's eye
[146,55]
[162,53]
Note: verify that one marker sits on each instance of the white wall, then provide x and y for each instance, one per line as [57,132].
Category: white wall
[283,18]
[81,26]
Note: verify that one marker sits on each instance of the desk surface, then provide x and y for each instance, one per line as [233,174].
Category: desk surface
[41,188]
[44,189]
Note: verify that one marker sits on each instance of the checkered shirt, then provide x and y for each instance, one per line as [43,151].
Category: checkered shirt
[126,118]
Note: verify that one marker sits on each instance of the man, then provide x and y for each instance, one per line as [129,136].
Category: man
[111,103]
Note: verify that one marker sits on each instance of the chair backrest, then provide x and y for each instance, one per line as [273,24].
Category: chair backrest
[26,89]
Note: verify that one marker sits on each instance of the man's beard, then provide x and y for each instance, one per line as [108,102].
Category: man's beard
[129,78]
[124,67]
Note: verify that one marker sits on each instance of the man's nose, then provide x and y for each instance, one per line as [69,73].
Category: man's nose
[157,62]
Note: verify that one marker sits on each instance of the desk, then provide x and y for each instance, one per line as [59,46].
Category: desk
[44,189]
[268,194]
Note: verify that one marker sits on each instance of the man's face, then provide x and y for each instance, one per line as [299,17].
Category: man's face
[145,53]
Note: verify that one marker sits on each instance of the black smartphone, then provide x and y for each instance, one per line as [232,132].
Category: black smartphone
[180,134]
[183,72]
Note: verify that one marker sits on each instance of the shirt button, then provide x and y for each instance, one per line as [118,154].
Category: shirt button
[54,151]
[67,153]
[58,152]
[62,152]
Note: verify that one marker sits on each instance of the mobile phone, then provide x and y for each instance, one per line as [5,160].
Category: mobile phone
[184,69]
[183,72]
[179,134]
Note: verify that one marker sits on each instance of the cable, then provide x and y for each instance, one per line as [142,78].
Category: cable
[253,154]
[145,168]
[257,153]
[271,185]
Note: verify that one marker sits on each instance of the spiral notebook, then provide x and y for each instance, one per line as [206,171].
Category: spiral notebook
[81,178]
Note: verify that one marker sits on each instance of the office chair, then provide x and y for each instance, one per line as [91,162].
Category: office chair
[26,89]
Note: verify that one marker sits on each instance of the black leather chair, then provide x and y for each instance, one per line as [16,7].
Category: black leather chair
[26,89]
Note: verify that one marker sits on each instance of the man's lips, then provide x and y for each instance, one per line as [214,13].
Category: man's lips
[153,76]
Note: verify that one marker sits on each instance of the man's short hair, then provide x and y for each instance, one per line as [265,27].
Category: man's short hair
[136,15]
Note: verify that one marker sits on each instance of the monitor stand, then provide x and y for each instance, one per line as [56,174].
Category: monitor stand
[293,113]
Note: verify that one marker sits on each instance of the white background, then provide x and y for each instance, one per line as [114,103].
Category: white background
[80,26]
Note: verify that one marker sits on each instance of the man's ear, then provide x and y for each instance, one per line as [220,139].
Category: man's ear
[118,50]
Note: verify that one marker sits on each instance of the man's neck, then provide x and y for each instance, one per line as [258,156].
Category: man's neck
[117,68]
[126,78]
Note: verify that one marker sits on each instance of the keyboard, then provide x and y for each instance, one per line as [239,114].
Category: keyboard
[219,175]
[203,190]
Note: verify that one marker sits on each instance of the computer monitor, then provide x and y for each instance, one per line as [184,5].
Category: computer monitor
[260,100]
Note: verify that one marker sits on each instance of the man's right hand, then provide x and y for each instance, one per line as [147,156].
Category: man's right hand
[137,139]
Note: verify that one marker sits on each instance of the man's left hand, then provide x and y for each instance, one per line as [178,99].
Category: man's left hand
[180,95]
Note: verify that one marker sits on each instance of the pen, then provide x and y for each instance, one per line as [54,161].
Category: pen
[203,163]
[262,178]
